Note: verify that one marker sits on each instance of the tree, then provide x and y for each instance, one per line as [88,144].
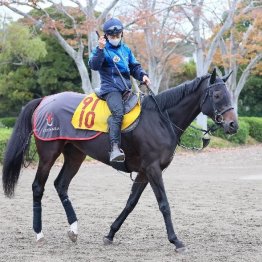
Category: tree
[17,87]
[20,46]
[187,71]
[158,20]
[195,11]
[241,48]
[21,82]
[250,97]
[57,71]
[20,50]
[76,49]
[157,44]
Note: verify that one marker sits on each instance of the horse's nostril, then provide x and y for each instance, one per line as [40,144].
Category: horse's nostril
[233,125]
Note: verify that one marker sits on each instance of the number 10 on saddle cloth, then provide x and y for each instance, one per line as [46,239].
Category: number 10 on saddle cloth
[92,114]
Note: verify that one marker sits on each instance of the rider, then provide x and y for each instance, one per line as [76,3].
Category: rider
[110,50]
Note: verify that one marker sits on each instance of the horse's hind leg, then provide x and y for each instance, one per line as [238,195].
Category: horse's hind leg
[138,187]
[73,158]
[48,153]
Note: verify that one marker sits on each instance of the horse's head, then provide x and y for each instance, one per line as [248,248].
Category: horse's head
[217,104]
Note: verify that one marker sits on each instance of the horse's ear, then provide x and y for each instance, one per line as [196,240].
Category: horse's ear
[213,77]
[225,77]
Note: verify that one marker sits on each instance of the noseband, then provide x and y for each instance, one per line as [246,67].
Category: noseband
[218,112]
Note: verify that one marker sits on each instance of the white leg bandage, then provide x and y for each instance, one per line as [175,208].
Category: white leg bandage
[40,235]
[74,227]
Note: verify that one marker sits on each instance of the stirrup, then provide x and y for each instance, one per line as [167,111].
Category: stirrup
[118,158]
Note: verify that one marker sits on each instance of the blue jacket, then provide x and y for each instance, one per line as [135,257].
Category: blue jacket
[127,64]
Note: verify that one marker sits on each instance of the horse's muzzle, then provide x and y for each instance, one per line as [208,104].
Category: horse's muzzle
[230,123]
[230,127]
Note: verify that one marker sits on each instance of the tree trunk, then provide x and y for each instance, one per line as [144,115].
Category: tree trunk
[92,43]
[203,61]
[86,84]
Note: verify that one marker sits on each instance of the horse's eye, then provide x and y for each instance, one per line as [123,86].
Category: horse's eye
[217,95]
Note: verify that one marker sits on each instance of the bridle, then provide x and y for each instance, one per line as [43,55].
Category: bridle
[218,112]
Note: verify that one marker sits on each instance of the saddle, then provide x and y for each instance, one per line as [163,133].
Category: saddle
[93,113]
[130,99]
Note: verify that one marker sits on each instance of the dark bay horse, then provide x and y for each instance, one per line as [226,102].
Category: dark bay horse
[149,149]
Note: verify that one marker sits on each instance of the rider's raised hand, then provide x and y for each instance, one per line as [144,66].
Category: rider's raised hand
[101,42]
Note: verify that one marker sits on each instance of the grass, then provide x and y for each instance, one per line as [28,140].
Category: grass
[217,142]
[5,133]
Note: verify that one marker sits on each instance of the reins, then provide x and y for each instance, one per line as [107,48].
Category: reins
[167,119]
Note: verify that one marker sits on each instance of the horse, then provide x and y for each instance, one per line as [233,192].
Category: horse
[149,149]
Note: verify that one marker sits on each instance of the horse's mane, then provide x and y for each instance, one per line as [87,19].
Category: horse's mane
[174,95]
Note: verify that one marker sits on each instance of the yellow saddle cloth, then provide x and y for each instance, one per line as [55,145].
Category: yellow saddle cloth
[92,114]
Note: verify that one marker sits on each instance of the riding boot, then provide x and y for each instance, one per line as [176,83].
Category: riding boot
[115,104]
[116,155]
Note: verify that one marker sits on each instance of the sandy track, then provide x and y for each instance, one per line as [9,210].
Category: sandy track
[215,198]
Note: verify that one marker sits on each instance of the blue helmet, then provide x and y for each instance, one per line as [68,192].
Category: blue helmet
[113,26]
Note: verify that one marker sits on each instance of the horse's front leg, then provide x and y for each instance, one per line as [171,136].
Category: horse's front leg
[154,174]
[138,187]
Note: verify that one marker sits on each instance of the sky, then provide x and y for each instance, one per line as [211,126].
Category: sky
[5,12]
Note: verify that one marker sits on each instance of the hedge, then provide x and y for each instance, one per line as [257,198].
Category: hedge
[192,137]
[4,136]
[240,137]
[7,122]
[255,124]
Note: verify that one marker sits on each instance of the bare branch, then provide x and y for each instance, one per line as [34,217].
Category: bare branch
[167,14]
[175,47]
[152,14]
[226,26]
[245,39]
[60,8]
[252,6]
[246,73]
[104,14]
[17,11]
[187,15]
[81,7]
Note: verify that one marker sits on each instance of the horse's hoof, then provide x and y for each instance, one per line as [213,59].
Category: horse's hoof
[107,241]
[40,242]
[72,236]
[180,247]
[181,250]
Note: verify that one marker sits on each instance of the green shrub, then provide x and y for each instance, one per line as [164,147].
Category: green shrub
[2,149]
[217,142]
[255,124]
[4,136]
[240,137]
[5,133]
[32,154]
[192,137]
[7,122]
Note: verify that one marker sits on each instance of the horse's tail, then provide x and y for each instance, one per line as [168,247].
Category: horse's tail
[16,147]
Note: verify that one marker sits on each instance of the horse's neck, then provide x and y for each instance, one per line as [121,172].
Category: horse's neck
[183,114]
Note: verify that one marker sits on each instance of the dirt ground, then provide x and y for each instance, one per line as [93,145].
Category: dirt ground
[215,197]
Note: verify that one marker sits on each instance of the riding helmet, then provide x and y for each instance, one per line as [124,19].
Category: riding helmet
[113,26]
